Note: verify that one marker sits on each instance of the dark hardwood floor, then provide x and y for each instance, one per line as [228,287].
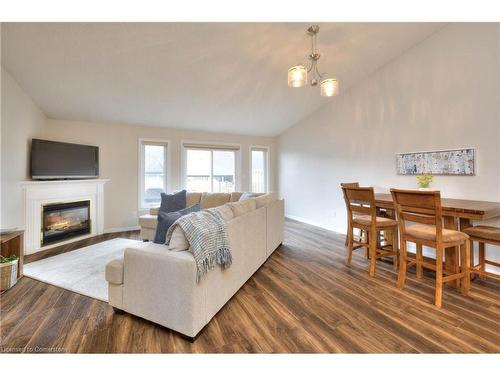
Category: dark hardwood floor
[303,299]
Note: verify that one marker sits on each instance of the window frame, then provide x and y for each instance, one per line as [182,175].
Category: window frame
[234,147]
[141,169]
[267,149]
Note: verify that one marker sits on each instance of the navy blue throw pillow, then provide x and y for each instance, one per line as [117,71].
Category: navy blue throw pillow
[166,219]
[173,202]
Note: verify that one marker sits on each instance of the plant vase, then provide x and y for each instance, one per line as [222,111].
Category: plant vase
[8,274]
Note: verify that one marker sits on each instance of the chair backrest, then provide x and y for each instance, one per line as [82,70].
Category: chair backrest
[349,184]
[423,207]
[360,200]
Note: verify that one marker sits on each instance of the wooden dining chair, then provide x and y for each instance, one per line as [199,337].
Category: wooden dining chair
[423,208]
[362,214]
[361,234]
[483,235]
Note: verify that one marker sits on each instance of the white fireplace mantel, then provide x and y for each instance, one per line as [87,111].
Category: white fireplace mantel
[38,193]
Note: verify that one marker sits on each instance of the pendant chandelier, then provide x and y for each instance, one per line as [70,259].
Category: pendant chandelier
[297,75]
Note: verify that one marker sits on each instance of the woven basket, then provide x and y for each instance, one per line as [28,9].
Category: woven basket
[8,274]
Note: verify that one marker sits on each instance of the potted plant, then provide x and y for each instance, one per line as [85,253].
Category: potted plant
[8,271]
[424,181]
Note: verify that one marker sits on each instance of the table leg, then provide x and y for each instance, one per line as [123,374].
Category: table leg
[465,223]
[451,258]
[389,235]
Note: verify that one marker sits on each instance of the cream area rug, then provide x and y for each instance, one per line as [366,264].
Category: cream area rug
[81,271]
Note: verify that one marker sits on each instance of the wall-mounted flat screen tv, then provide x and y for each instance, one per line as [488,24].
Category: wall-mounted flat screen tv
[58,160]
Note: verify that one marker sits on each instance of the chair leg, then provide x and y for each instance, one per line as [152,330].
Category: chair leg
[350,236]
[347,236]
[472,263]
[465,260]
[373,253]
[395,258]
[481,259]
[439,277]
[367,240]
[419,261]
[402,265]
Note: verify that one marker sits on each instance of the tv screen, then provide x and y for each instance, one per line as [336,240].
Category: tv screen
[57,160]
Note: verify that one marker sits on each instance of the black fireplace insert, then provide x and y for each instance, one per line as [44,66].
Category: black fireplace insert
[62,221]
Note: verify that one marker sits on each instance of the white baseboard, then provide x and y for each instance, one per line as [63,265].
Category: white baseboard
[302,220]
[122,229]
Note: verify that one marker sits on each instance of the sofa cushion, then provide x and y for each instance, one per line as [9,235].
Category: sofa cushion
[226,212]
[148,221]
[178,240]
[235,196]
[209,200]
[173,202]
[192,199]
[242,207]
[166,219]
[265,199]
[246,196]
[114,271]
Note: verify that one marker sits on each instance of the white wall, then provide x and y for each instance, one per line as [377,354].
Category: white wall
[21,121]
[118,159]
[441,94]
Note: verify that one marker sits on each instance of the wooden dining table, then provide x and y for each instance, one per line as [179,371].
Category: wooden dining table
[457,215]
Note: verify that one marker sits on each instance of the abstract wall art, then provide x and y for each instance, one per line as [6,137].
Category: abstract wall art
[447,162]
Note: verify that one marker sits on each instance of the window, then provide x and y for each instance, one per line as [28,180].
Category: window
[210,169]
[258,169]
[153,172]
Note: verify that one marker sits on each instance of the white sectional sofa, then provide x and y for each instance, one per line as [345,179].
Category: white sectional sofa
[206,200]
[160,285]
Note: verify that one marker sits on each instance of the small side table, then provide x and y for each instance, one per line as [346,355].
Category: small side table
[12,244]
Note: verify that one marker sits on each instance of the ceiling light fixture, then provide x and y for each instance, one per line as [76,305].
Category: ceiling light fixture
[297,75]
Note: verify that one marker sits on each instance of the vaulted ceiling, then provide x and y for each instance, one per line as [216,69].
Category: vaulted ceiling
[225,77]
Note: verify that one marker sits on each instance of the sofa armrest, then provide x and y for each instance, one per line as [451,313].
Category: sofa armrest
[275,225]
[160,285]
[114,271]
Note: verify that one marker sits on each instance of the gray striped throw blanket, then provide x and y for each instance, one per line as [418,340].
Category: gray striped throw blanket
[206,233]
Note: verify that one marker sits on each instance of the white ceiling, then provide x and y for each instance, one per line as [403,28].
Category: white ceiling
[225,77]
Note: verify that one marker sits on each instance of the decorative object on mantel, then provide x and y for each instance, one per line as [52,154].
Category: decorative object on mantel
[424,181]
[297,75]
[446,162]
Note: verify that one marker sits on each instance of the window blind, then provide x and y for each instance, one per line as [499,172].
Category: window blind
[206,146]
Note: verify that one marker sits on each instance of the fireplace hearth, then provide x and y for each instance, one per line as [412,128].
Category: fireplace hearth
[62,221]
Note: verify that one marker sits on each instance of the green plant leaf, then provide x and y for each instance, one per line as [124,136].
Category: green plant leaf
[8,259]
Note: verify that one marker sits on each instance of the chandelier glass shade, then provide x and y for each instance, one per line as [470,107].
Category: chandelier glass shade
[329,87]
[298,74]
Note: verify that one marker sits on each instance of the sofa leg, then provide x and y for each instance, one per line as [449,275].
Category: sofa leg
[118,311]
